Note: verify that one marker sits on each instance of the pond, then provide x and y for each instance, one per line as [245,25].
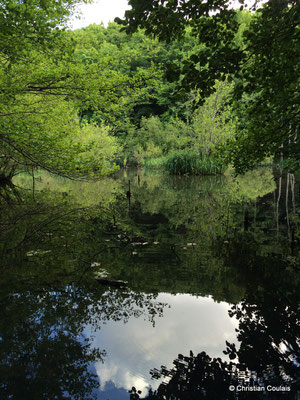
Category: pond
[143,284]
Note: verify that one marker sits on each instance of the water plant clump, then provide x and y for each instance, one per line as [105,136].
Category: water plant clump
[155,163]
[187,162]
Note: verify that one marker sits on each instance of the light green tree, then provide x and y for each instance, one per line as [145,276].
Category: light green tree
[42,90]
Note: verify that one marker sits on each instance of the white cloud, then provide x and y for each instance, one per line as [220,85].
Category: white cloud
[104,11]
[197,324]
[99,11]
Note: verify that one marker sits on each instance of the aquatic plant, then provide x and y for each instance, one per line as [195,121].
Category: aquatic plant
[187,162]
[155,163]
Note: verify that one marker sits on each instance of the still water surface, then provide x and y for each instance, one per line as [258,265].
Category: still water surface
[206,264]
[188,322]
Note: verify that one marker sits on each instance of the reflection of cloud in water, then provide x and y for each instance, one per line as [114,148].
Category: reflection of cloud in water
[133,349]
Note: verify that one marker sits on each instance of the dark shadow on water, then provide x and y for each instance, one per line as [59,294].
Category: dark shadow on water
[236,241]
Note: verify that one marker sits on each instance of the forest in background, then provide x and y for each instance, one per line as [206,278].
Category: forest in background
[156,120]
[193,95]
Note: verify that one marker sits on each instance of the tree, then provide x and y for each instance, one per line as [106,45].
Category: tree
[143,59]
[264,67]
[42,88]
[267,88]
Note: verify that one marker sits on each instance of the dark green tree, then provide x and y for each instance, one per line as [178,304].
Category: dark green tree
[264,66]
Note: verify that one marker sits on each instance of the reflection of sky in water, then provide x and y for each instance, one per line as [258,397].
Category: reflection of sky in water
[133,349]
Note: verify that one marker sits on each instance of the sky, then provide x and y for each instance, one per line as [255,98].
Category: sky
[133,349]
[105,11]
[99,11]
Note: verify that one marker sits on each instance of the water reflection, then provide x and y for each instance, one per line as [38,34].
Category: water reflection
[266,360]
[209,241]
[43,351]
[133,349]
[46,349]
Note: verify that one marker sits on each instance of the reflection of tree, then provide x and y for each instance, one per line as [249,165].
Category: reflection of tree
[195,377]
[209,213]
[63,239]
[268,339]
[201,377]
[82,193]
[268,318]
[52,232]
[162,213]
[46,245]
[43,349]
[8,193]
[43,352]
[268,355]
[268,315]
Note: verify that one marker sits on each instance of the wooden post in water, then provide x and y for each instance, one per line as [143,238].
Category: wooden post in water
[128,193]
[246,220]
[33,183]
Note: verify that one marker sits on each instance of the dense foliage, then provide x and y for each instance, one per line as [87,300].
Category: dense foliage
[42,90]
[262,60]
[158,117]
[215,81]
[70,101]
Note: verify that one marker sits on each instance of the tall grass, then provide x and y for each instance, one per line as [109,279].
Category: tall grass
[155,163]
[186,163]
[212,167]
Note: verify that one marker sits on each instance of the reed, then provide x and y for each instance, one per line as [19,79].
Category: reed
[187,162]
[155,163]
